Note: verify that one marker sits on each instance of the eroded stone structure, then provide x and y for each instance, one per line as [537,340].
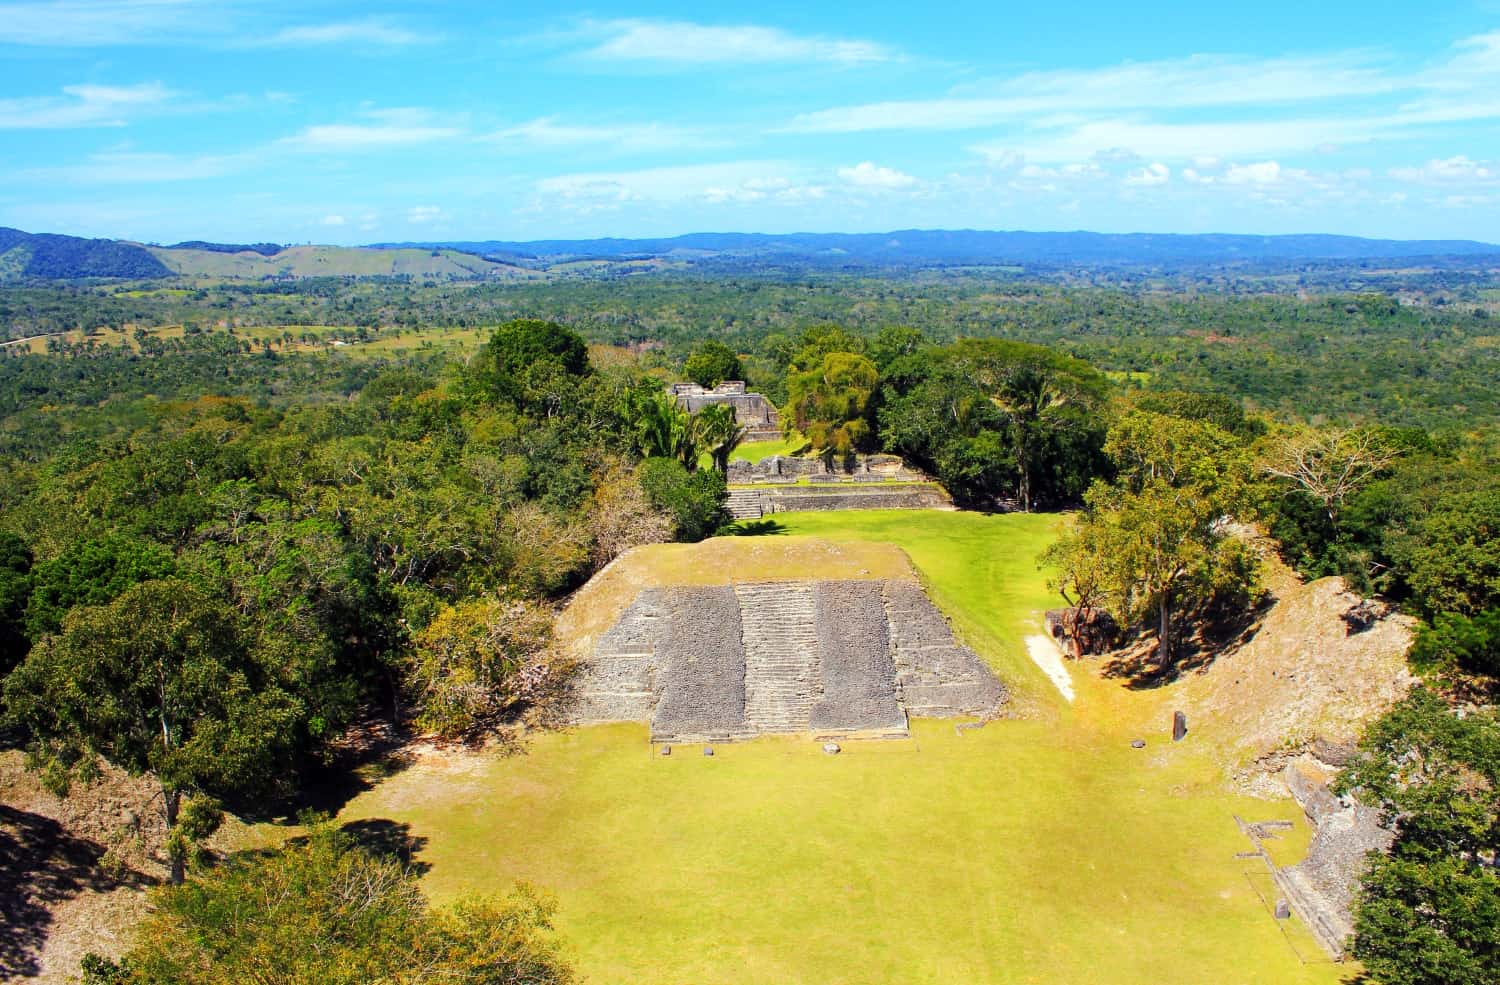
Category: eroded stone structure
[752,410]
[712,663]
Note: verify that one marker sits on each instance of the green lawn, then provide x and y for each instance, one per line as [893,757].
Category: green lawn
[756,451]
[1041,850]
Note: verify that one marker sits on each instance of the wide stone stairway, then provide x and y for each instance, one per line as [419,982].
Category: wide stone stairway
[779,626]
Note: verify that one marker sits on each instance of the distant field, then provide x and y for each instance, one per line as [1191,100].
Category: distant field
[1042,850]
[340,261]
[296,338]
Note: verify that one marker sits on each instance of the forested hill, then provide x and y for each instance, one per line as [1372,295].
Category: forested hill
[50,257]
[920,247]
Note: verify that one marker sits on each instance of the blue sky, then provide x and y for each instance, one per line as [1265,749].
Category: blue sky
[333,122]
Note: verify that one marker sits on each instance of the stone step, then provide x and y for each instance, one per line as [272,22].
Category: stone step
[781,654]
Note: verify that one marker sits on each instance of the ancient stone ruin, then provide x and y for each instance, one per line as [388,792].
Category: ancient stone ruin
[786,483]
[752,410]
[713,663]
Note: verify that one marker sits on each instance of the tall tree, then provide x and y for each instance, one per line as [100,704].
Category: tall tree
[157,682]
[713,362]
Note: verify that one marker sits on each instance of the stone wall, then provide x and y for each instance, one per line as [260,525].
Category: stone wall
[754,502]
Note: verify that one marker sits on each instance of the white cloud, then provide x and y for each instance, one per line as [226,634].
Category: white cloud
[727,182]
[1261,173]
[423,214]
[1065,140]
[546,132]
[1451,169]
[366,32]
[868,176]
[82,106]
[403,127]
[1155,173]
[88,23]
[332,220]
[686,43]
[1196,82]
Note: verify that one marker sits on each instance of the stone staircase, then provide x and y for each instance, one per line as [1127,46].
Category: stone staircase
[782,680]
[747,504]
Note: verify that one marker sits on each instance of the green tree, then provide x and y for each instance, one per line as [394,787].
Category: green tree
[1428,913]
[157,682]
[91,572]
[718,432]
[833,403]
[695,500]
[713,362]
[325,911]
[480,659]
[661,427]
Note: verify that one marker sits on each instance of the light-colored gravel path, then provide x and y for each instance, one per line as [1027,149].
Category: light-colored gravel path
[1045,654]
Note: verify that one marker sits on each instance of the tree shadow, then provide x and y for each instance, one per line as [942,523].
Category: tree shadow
[1215,634]
[367,754]
[753,528]
[389,839]
[42,865]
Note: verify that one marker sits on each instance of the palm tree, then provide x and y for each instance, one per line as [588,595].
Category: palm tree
[717,429]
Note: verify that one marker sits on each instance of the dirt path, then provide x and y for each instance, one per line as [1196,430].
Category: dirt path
[1044,654]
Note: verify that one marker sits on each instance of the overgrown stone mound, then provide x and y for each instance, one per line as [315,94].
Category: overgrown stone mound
[720,662]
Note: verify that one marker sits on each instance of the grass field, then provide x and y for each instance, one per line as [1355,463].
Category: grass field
[1043,849]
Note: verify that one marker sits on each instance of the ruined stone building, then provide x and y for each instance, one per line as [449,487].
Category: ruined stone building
[753,411]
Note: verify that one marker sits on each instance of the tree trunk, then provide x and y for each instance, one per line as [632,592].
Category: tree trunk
[1164,630]
[171,801]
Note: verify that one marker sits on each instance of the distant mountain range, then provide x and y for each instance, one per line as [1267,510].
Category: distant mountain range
[52,257]
[930,247]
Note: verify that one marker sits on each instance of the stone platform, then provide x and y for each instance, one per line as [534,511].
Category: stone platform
[723,662]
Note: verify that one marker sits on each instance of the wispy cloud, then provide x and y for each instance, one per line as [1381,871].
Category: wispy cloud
[94,23]
[1190,83]
[548,132]
[684,43]
[374,31]
[125,167]
[82,106]
[387,128]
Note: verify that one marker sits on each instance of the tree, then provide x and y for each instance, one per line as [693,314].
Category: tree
[1158,539]
[1329,464]
[527,357]
[661,427]
[718,432]
[713,362]
[326,910]
[694,500]
[91,572]
[479,660]
[1428,913]
[833,403]
[157,682]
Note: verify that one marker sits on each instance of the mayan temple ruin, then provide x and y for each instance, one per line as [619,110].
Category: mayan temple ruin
[719,662]
[753,411]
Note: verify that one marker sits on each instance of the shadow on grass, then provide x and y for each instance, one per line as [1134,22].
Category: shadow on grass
[753,528]
[42,865]
[389,839]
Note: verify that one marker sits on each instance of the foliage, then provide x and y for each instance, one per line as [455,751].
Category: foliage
[1428,912]
[1156,541]
[330,912]
[711,363]
[997,419]
[622,516]
[159,682]
[718,432]
[1457,641]
[694,500]
[832,402]
[479,659]
[91,572]
[523,356]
